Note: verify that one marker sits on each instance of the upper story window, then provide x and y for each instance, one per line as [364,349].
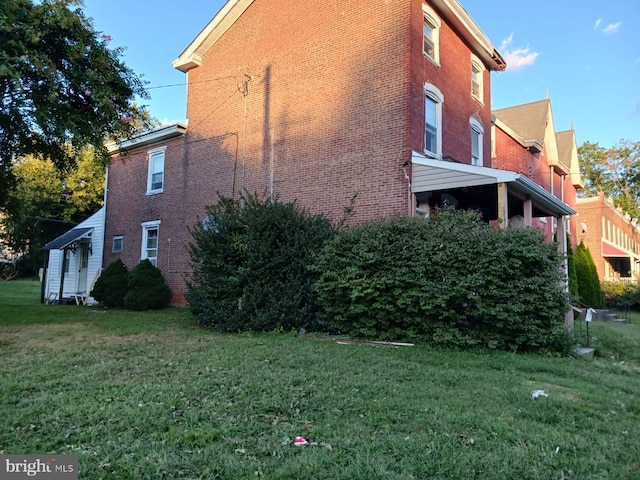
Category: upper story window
[150,236]
[431,34]
[433,100]
[477,77]
[477,140]
[155,179]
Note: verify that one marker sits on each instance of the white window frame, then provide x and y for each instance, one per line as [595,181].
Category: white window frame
[432,21]
[477,87]
[434,94]
[120,240]
[478,130]
[155,155]
[144,248]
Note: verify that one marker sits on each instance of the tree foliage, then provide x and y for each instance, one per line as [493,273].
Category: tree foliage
[45,202]
[60,85]
[251,261]
[449,280]
[614,171]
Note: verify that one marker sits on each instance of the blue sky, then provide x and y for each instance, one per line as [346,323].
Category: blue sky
[584,53]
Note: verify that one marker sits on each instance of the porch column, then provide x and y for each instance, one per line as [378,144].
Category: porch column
[64,267]
[528,212]
[503,205]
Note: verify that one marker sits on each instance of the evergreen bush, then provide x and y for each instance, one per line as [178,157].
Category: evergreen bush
[111,286]
[573,276]
[587,275]
[146,288]
[251,260]
[451,280]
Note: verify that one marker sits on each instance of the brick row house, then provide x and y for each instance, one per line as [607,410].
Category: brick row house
[320,102]
[612,236]
[524,140]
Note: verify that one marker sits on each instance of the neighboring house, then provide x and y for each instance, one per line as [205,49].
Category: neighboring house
[612,237]
[73,262]
[525,141]
[385,102]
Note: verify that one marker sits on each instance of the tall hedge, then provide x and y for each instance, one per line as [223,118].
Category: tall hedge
[451,279]
[587,274]
[251,260]
[111,286]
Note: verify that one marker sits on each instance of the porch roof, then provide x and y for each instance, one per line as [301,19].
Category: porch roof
[68,238]
[435,175]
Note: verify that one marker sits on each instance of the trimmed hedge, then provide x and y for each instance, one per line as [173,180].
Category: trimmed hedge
[451,280]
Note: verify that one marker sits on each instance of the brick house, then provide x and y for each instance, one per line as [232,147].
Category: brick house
[388,102]
[525,141]
[612,237]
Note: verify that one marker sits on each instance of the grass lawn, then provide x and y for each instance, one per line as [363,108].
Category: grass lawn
[153,396]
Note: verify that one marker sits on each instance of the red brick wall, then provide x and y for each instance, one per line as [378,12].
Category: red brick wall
[453,79]
[327,98]
[326,106]
[513,156]
[591,212]
[128,206]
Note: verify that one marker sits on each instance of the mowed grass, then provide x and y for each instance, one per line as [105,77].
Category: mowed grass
[153,396]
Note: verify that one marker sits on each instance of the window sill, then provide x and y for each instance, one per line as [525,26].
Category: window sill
[432,155]
[154,192]
[431,59]
[479,100]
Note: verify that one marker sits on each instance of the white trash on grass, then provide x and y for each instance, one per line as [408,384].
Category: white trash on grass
[539,393]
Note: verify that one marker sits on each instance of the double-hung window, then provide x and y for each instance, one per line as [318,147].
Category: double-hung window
[477,141]
[431,35]
[150,236]
[433,100]
[155,178]
[477,78]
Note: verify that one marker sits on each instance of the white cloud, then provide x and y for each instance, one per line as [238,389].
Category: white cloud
[611,28]
[517,58]
[598,22]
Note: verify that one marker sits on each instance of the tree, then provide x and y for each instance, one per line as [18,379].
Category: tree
[60,85]
[587,274]
[614,171]
[45,202]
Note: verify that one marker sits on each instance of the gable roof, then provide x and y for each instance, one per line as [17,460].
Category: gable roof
[529,121]
[155,135]
[192,56]
[568,155]
[566,144]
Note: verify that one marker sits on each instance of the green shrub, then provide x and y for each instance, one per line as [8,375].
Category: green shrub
[571,268]
[146,288]
[451,279]
[251,262]
[621,294]
[587,275]
[111,286]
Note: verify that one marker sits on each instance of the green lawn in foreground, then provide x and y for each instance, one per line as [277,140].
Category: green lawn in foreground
[152,396]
